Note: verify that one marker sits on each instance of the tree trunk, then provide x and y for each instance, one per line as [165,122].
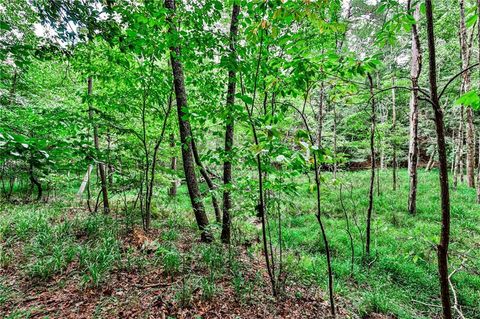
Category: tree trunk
[208,180]
[442,248]
[320,114]
[372,170]
[465,87]
[85,180]
[185,130]
[110,168]
[431,161]
[335,165]
[478,173]
[458,168]
[101,167]
[173,166]
[229,129]
[394,127]
[415,70]
[35,181]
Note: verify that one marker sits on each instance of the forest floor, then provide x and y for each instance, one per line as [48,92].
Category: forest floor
[57,260]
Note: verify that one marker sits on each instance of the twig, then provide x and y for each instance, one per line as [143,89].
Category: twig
[426,304]
[156,285]
[455,299]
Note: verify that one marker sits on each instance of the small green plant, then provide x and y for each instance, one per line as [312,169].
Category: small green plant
[5,294]
[5,257]
[170,258]
[184,294]
[212,256]
[170,235]
[208,286]
[99,260]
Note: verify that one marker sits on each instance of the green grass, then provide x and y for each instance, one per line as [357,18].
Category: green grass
[43,241]
[402,278]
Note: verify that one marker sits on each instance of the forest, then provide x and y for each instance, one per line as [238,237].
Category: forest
[240,159]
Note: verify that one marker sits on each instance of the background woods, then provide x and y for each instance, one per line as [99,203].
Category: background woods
[240,158]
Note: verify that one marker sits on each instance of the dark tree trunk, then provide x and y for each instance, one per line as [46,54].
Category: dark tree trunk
[229,130]
[101,166]
[394,128]
[150,181]
[319,211]
[185,131]
[372,170]
[416,68]
[442,249]
[35,181]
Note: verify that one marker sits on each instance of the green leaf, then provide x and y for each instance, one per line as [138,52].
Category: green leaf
[470,99]
[245,98]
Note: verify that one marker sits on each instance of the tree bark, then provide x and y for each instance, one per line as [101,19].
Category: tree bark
[85,180]
[458,168]
[208,180]
[173,166]
[335,165]
[372,170]
[229,129]
[96,142]
[478,173]
[442,248]
[465,87]
[394,127]
[431,161]
[35,181]
[416,68]
[185,130]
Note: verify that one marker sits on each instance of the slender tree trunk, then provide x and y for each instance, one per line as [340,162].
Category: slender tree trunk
[470,136]
[173,166]
[320,113]
[335,165]
[416,68]
[442,248]
[458,169]
[35,181]
[101,166]
[85,180]
[372,170]
[150,183]
[319,210]
[431,161]
[229,130]
[185,130]
[478,173]
[394,128]
[208,180]
[110,169]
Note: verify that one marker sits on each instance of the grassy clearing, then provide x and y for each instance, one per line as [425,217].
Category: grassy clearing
[402,278]
[57,243]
